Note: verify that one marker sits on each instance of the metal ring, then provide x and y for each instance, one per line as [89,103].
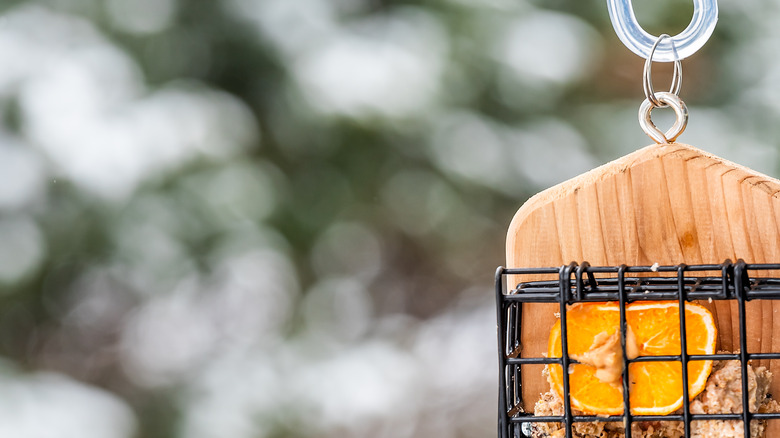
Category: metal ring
[647,81]
[673,101]
[687,42]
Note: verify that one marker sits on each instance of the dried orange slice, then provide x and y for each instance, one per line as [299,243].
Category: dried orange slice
[655,387]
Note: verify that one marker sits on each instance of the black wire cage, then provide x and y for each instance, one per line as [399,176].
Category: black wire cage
[622,284]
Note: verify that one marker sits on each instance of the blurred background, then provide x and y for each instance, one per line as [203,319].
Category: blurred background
[281,218]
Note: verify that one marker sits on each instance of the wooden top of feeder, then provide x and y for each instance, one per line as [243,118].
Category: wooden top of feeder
[665,204]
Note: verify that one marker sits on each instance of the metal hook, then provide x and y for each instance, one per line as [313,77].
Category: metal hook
[681,46]
[673,101]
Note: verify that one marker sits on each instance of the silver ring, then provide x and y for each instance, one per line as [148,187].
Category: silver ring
[646,122]
[647,82]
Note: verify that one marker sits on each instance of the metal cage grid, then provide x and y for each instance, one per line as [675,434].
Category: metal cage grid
[578,283]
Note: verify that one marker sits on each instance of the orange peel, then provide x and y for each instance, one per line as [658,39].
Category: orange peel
[655,388]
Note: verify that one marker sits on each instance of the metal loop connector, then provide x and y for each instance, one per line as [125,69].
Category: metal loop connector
[647,79]
[646,122]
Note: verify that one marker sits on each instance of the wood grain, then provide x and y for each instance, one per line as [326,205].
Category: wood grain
[666,204]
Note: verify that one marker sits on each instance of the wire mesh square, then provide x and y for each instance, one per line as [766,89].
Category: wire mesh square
[578,283]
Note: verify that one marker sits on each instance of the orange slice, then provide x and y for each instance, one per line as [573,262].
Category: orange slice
[655,387]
